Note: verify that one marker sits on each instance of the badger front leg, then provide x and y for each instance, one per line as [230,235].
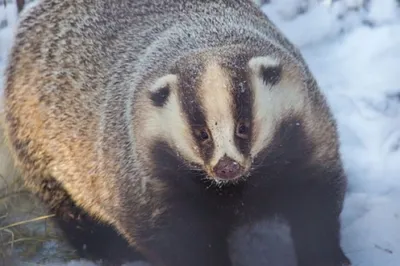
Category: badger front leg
[312,209]
[185,235]
[91,239]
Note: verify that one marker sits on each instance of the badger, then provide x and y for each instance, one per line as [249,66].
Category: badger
[8,172]
[156,128]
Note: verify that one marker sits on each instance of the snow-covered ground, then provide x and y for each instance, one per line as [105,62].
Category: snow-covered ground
[354,51]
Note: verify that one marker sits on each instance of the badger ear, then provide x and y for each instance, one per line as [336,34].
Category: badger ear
[266,68]
[160,91]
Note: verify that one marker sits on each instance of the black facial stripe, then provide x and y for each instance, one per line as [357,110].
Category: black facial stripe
[191,107]
[271,75]
[243,97]
[160,96]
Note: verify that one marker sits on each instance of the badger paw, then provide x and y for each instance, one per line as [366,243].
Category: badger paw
[346,263]
[342,261]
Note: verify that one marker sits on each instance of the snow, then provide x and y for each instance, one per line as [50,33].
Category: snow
[7,15]
[353,50]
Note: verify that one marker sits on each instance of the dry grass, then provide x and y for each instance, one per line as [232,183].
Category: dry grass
[26,228]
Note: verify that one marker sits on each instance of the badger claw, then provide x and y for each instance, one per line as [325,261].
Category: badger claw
[346,263]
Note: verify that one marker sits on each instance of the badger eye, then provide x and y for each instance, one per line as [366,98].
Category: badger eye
[202,134]
[242,130]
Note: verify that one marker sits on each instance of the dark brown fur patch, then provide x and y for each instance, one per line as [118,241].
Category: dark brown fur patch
[271,75]
[189,79]
[291,148]
[243,96]
[160,96]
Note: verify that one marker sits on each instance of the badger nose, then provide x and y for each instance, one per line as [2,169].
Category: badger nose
[227,168]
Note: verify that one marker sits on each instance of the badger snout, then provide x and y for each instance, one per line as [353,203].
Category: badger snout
[227,168]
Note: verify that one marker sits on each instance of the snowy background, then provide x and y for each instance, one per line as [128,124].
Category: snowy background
[353,49]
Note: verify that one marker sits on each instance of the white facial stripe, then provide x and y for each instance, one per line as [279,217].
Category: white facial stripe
[169,123]
[164,81]
[272,103]
[257,62]
[175,125]
[216,98]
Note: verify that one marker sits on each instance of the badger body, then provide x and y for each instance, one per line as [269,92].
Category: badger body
[161,126]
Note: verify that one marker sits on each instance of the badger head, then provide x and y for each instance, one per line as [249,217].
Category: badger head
[218,111]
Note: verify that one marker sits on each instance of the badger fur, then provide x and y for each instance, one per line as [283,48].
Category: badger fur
[172,122]
[8,172]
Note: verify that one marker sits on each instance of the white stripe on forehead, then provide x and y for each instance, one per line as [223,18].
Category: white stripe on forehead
[216,97]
